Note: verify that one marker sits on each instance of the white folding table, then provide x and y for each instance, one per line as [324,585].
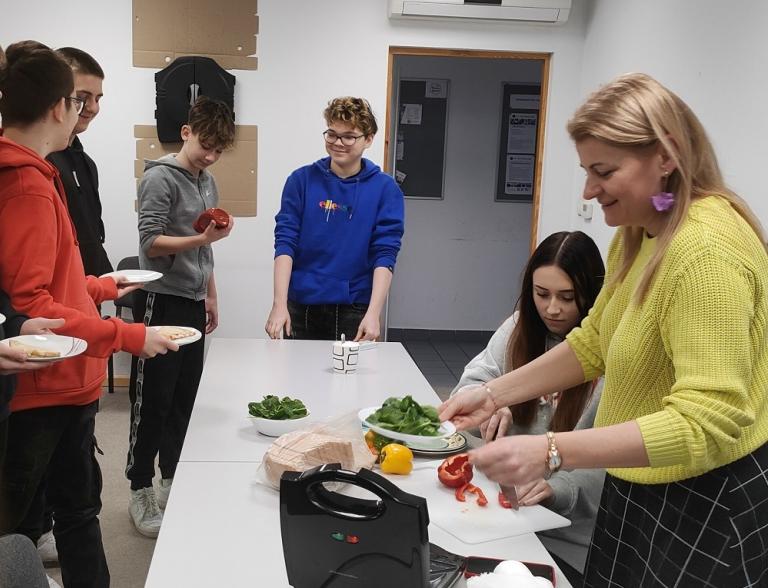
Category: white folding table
[222,525]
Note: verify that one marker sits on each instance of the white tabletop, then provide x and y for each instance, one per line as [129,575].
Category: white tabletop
[222,526]
[239,371]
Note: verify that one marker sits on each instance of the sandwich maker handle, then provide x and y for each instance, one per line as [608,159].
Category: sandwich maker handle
[347,506]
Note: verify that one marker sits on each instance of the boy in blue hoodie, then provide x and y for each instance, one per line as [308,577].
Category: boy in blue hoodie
[337,236]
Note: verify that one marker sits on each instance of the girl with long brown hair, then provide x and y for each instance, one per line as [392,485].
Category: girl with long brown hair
[560,283]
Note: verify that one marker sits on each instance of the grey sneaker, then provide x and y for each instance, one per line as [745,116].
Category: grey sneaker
[46,549]
[144,511]
[163,492]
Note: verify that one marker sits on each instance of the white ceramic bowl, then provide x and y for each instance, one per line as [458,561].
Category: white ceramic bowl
[275,428]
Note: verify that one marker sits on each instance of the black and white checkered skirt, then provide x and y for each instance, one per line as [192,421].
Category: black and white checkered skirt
[711,530]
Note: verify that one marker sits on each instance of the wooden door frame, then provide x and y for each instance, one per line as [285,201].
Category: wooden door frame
[396,51]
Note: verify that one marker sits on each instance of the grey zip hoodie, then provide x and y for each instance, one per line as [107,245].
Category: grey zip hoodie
[170,200]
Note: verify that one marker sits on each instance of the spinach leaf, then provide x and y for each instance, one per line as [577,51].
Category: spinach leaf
[273,408]
[405,415]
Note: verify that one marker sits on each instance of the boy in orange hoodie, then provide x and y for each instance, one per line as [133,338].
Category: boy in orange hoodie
[50,430]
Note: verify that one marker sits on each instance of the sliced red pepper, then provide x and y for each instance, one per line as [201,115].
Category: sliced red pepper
[503,501]
[481,499]
[455,471]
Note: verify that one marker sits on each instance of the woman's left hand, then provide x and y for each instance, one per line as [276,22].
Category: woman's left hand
[512,461]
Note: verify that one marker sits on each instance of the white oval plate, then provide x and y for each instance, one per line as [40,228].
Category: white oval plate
[446,429]
[2,318]
[66,346]
[183,340]
[135,276]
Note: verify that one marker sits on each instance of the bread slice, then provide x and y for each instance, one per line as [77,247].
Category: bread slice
[300,450]
[174,333]
[34,351]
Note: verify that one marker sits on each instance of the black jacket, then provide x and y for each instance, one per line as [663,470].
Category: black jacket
[81,183]
[10,328]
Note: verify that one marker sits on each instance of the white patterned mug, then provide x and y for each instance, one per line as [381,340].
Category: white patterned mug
[345,356]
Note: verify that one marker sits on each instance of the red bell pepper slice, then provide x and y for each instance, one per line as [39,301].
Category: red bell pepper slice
[455,471]
[503,501]
[481,499]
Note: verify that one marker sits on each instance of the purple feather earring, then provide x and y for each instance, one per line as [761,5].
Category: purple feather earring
[663,200]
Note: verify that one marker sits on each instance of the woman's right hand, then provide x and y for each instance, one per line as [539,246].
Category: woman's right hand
[278,322]
[496,426]
[468,408]
[155,343]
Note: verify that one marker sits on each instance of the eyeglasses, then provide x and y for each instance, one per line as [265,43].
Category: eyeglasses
[347,140]
[78,102]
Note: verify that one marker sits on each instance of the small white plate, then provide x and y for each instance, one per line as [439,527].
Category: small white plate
[183,340]
[135,276]
[445,430]
[2,318]
[66,346]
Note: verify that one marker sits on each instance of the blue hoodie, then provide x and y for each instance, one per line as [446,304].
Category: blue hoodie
[338,230]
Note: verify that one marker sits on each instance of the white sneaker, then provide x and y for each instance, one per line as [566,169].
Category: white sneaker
[145,513]
[163,492]
[53,583]
[46,549]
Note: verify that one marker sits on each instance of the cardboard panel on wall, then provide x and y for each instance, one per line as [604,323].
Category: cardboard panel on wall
[235,172]
[167,29]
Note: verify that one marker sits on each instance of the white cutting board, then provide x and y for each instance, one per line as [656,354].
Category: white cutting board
[467,521]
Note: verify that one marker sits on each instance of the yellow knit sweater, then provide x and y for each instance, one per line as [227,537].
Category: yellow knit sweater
[689,364]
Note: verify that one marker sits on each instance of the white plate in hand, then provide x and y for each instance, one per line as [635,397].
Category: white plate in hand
[65,346]
[183,340]
[134,276]
[446,429]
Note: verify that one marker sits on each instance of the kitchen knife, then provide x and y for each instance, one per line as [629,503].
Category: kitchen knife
[510,494]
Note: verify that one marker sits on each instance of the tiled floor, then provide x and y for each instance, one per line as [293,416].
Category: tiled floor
[442,362]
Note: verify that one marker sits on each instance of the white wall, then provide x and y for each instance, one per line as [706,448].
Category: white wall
[309,51]
[709,52]
[466,248]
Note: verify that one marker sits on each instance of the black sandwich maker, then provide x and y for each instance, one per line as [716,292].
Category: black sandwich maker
[331,540]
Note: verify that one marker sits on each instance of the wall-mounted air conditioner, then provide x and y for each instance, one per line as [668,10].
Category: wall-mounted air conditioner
[540,11]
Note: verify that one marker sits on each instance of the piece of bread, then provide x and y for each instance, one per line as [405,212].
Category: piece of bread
[299,451]
[34,351]
[174,333]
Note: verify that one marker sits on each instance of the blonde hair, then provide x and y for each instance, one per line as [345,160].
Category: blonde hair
[634,111]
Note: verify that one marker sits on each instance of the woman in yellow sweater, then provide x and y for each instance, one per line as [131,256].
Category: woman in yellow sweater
[679,332]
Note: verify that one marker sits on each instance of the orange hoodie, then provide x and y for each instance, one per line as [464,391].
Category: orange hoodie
[41,271]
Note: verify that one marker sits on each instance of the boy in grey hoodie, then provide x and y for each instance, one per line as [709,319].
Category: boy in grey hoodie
[173,193]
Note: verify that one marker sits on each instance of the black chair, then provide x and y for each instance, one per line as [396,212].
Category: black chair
[125,301]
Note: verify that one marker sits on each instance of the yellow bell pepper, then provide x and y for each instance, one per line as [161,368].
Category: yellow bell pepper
[396,459]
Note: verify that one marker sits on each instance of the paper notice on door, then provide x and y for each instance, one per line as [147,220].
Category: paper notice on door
[410,114]
[522,133]
[519,179]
